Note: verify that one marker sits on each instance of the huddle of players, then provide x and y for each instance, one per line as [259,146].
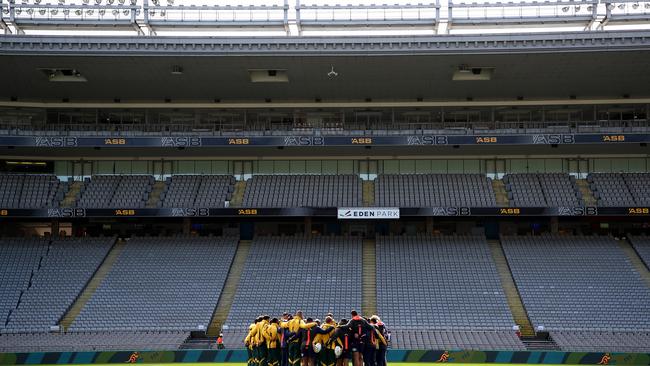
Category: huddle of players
[292,341]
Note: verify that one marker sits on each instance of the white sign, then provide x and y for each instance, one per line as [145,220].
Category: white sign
[368,213]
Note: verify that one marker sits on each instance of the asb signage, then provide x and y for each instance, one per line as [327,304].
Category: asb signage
[368,213]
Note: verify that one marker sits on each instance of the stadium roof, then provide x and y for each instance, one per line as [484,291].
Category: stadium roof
[563,66]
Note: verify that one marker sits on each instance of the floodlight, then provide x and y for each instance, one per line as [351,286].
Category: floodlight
[152,13]
[98,2]
[89,12]
[647,5]
[635,6]
[577,8]
[41,11]
[170,2]
[54,11]
[37,1]
[121,1]
[590,8]
[86,1]
[102,12]
[610,6]
[30,11]
[18,11]
[133,2]
[66,12]
[621,6]
[77,12]
[110,2]
[163,13]
[126,12]
[565,9]
[156,2]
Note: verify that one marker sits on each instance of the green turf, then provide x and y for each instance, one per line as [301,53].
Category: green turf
[390,363]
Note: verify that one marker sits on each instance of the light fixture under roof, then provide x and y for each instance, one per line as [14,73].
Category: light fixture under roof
[621,6]
[635,6]
[565,9]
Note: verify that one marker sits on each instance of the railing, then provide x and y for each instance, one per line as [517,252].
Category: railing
[16,128]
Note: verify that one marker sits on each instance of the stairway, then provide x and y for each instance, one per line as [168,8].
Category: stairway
[238,195]
[368,191]
[500,193]
[71,197]
[369,278]
[154,196]
[229,288]
[92,285]
[540,344]
[635,260]
[587,194]
[510,288]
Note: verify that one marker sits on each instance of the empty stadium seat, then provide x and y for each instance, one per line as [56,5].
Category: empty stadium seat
[115,191]
[160,284]
[303,191]
[542,190]
[578,283]
[434,190]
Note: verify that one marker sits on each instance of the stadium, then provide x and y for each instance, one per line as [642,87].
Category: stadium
[209,182]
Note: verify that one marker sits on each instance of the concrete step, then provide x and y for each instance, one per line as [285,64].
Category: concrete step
[369,278]
[71,197]
[154,197]
[500,194]
[227,296]
[635,260]
[587,194]
[92,285]
[509,286]
[238,195]
[368,193]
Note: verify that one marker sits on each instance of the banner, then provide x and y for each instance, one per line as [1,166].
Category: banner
[368,213]
[72,141]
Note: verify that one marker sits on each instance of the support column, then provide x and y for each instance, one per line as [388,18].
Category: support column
[429,225]
[308,226]
[55,228]
[554,225]
[187,226]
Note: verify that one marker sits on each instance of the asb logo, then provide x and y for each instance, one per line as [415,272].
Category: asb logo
[303,141]
[451,211]
[66,212]
[553,139]
[190,212]
[577,211]
[426,140]
[56,141]
[180,141]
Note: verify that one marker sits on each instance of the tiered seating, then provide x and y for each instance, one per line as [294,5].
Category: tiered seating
[91,341]
[303,191]
[160,284]
[434,190]
[439,283]
[63,273]
[281,274]
[610,189]
[602,341]
[19,258]
[197,191]
[542,190]
[466,340]
[642,246]
[31,191]
[116,191]
[639,186]
[578,283]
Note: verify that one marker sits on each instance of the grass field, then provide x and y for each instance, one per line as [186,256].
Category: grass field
[391,363]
